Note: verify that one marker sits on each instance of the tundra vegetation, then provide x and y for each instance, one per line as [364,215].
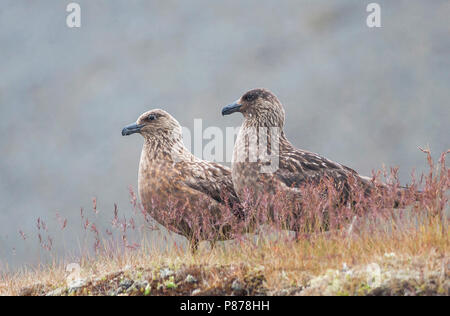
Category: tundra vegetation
[392,242]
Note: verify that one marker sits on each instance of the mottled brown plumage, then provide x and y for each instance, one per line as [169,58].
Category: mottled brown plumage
[262,113]
[171,177]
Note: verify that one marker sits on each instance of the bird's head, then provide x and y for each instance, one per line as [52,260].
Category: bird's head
[154,124]
[259,105]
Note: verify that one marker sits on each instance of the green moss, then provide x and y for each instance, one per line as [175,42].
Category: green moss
[363,289]
[170,284]
[147,290]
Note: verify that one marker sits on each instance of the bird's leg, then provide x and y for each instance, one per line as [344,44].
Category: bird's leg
[194,245]
[296,235]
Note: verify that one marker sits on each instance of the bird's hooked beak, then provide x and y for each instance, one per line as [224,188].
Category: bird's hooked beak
[132,129]
[231,108]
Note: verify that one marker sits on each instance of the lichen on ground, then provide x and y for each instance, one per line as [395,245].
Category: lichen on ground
[390,275]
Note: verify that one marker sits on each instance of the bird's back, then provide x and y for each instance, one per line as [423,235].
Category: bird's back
[189,187]
[294,168]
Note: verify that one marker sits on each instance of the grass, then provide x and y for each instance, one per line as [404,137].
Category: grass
[392,253]
[419,255]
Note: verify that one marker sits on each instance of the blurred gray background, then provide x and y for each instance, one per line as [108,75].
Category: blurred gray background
[357,95]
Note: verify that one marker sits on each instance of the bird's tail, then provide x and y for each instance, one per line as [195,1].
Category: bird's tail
[403,196]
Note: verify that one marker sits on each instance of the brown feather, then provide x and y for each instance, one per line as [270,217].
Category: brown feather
[170,175]
[262,109]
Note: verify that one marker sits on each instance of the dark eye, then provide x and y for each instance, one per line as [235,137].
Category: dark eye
[152,117]
[250,97]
